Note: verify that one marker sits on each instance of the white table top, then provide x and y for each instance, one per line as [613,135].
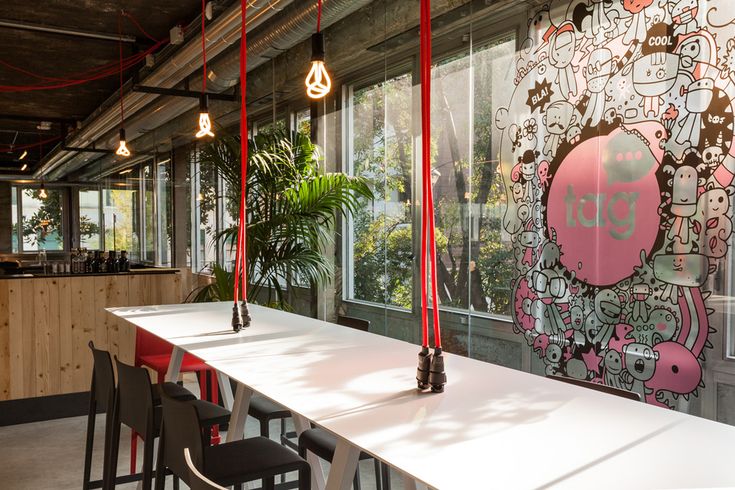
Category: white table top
[493,427]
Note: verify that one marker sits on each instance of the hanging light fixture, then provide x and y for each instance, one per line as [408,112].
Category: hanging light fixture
[205,123]
[42,193]
[318,83]
[122,149]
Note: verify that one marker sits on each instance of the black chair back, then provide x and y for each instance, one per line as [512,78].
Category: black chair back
[181,430]
[103,379]
[630,395]
[197,481]
[135,397]
[356,323]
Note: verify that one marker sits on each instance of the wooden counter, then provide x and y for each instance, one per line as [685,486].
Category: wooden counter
[46,323]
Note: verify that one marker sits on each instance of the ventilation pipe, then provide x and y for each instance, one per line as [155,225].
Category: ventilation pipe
[293,24]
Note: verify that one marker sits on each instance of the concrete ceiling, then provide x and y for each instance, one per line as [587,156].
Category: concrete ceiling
[60,55]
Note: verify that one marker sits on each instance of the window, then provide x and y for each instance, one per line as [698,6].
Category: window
[119,210]
[38,223]
[90,218]
[380,237]
[204,207]
[164,224]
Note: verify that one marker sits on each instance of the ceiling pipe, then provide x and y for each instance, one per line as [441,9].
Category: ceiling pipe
[294,23]
[221,34]
[65,31]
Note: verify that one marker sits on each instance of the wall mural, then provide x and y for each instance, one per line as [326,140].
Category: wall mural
[617,156]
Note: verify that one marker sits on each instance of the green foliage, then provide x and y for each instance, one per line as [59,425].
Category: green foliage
[291,209]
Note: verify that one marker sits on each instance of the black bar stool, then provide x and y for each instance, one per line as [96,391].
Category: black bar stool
[230,463]
[137,405]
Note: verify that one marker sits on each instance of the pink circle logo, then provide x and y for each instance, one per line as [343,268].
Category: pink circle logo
[603,206]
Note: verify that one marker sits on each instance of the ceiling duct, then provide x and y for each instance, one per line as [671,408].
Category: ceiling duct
[291,23]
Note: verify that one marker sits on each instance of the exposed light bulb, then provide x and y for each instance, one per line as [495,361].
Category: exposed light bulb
[23,155]
[318,83]
[122,150]
[205,124]
[42,194]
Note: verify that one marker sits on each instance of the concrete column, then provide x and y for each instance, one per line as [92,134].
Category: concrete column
[6,219]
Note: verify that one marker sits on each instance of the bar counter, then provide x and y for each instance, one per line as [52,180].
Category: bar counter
[47,321]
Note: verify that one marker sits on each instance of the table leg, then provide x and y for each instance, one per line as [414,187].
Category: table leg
[174,365]
[344,465]
[225,390]
[317,475]
[240,407]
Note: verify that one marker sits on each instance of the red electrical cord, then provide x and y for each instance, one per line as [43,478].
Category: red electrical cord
[122,106]
[319,16]
[90,75]
[241,252]
[427,222]
[12,148]
[204,49]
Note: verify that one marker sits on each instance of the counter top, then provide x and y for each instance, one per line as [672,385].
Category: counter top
[151,270]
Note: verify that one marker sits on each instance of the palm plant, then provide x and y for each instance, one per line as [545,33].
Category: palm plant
[291,210]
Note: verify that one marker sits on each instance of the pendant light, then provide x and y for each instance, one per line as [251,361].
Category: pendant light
[318,83]
[42,193]
[205,123]
[122,149]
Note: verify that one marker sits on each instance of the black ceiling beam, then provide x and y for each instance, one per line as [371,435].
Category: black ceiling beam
[192,94]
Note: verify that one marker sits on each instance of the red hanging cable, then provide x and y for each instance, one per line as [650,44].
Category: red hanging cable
[120,46]
[319,16]
[204,49]
[428,223]
[241,253]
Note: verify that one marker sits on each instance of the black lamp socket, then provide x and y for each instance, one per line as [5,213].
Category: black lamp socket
[317,47]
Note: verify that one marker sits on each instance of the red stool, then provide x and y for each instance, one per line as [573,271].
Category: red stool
[155,353]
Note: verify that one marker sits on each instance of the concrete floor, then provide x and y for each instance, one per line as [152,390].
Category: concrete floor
[50,455]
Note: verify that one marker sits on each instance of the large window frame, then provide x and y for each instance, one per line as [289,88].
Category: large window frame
[17,234]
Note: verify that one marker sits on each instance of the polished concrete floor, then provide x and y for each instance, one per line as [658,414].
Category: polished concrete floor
[50,455]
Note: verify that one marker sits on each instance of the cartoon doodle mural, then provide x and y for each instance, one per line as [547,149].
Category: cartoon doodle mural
[620,204]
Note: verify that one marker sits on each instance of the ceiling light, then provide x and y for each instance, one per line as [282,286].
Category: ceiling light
[122,149]
[126,171]
[23,155]
[42,194]
[44,126]
[318,83]
[24,167]
[205,124]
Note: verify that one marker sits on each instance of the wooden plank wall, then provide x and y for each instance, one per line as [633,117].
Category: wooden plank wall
[46,323]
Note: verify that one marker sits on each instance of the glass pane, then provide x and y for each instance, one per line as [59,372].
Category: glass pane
[42,220]
[381,153]
[120,208]
[149,214]
[89,219]
[164,215]
[14,210]
[206,215]
[302,120]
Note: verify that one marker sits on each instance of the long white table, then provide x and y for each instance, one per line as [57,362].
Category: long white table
[493,427]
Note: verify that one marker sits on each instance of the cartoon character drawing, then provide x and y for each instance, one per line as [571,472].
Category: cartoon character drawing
[623,212]
[561,54]
[699,96]
[560,116]
[597,73]
[637,26]
[684,15]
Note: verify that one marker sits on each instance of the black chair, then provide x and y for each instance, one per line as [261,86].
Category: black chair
[630,395]
[356,323]
[102,397]
[197,481]
[138,406]
[324,444]
[230,463]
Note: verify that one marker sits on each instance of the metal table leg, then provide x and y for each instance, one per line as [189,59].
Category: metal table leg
[317,475]
[344,466]
[174,365]
[240,407]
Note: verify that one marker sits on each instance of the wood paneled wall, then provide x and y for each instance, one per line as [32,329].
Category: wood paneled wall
[46,323]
